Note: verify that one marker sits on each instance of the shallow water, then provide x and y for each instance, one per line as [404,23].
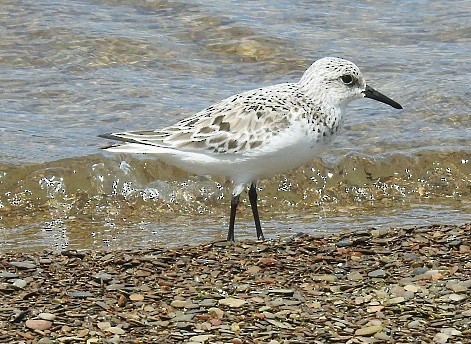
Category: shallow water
[70,71]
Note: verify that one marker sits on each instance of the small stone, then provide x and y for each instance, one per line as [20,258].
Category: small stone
[413,324]
[7,275]
[40,325]
[46,316]
[103,325]
[286,292]
[383,337]
[373,309]
[269,315]
[419,271]
[344,243]
[411,287]
[103,305]
[182,318]
[80,294]
[136,297]
[201,338]
[380,273]
[207,302]
[396,300]
[178,303]
[325,278]
[457,287]
[253,269]
[456,297]
[279,324]
[102,276]
[232,302]
[235,327]
[368,330]
[355,276]
[115,330]
[466,313]
[431,273]
[184,325]
[183,304]
[45,340]
[216,312]
[441,338]
[23,265]
[20,283]
[455,243]
[314,304]
[451,331]
[465,248]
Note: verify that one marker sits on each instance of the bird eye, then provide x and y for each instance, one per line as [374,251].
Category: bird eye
[347,79]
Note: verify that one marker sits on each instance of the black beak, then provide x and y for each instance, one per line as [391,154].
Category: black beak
[370,92]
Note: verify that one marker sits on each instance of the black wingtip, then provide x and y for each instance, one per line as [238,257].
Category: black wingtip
[109,136]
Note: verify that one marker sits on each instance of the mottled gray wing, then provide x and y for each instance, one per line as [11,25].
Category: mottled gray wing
[234,125]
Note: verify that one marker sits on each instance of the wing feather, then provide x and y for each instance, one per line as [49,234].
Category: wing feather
[234,125]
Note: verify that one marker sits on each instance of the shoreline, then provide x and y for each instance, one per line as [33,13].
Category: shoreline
[398,285]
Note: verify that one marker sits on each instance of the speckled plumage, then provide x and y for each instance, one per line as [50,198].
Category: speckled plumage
[259,133]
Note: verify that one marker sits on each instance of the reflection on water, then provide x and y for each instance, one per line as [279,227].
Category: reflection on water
[72,70]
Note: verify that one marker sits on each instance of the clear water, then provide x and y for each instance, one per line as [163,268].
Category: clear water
[72,70]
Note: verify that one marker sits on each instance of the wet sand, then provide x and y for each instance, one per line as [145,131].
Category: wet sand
[404,285]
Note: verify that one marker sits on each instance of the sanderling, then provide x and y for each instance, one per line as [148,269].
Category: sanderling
[258,133]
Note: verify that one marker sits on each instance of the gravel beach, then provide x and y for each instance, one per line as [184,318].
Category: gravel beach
[403,285]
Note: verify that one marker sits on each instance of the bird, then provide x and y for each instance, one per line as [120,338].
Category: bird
[259,133]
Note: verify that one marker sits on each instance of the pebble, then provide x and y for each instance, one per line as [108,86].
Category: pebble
[325,278]
[216,312]
[23,265]
[441,338]
[80,294]
[248,292]
[396,300]
[466,313]
[355,276]
[20,283]
[40,325]
[8,275]
[344,243]
[183,304]
[207,303]
[414,324]
[279,324]
[103,276]
[232,302]
[457,297]
[182,318]
[136,297]
[411,287]
[368,330]
[455,243]
[115,330]
[46,316]
[201,338]
[380,273]
[419,271]
[457,287]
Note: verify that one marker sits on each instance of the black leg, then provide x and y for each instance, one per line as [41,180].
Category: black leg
[234,203]
[253,204]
